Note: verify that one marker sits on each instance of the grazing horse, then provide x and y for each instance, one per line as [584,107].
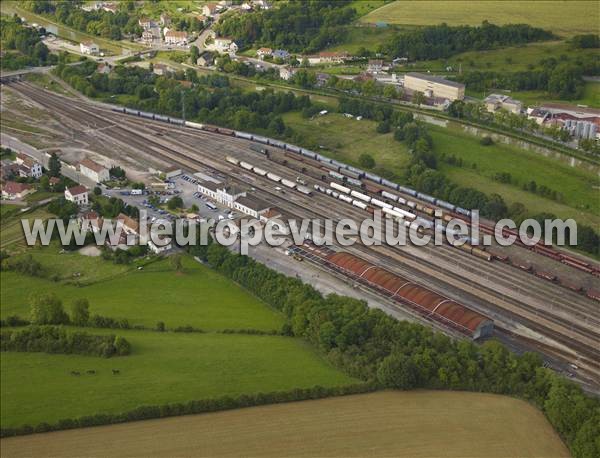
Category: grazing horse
[116,371]
[91,372]
[75,373]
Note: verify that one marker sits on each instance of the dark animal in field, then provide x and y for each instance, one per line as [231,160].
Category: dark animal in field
[91,372]
[116,371]
[75,373]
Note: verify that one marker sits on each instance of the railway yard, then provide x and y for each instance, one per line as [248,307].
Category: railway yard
[531,298]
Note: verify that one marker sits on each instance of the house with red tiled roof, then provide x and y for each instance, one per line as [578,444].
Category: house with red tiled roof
[77,194]
[94,171]
[13,190]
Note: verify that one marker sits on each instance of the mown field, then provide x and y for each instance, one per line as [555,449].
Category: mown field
[162,368]
[198,296]
[561,17]
[415,424]
[348,138]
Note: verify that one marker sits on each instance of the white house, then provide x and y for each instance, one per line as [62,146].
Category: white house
[225,44]
[93,171]
[89,47]
[29,167]
[264,52]
[177,38]
[286,73]
[77,194]
[210,9]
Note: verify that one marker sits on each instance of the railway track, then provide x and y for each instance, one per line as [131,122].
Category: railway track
[127,136]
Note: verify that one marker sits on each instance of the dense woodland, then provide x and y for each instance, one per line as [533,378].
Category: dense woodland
[371,345]
[22,46]
[99,22]
[297,26]
[442,41]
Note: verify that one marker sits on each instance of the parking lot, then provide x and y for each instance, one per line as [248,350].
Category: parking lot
[184,186]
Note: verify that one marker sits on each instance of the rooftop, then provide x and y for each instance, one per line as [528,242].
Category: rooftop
[89,164]
[13,187]
[253,203]
[435,79]
[76,190]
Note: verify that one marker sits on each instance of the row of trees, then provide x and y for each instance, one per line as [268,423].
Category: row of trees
[369,344]
[54,339]
[300,26]
[442,41]
[192,407]
[22,46]
[562,79]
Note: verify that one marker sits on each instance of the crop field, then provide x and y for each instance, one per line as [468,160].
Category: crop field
[198,296]
[415,424]
[11,231]
[561,17]
[162,368]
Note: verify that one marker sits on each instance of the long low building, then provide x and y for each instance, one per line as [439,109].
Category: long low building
[426,302]
[434,86]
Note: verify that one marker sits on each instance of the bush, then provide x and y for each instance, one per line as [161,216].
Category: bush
[486,141]
[47,309]
[54,339]
[366,160]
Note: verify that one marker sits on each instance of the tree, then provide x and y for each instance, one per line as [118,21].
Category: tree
[175,203]
[194,54]
[44,183]
[54,165]
[80,312]
[97,191]
[47,309]
[177,262]
[160,326]
[398,371]
[418,98]
[194,208]
[366,160]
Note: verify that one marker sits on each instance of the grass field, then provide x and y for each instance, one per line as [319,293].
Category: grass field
[561,17]
[363,37]
[345,139]
[198,297]
[419,424]
[162,368]
[579,188]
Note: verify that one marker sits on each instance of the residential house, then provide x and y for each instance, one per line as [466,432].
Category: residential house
[177,38]
[165,20]
[130,226]
[94,171]
[145,23]
[495,102]
[13,190]
[375,66]
[29,167]
[206,60]
[90,221]
[286,73]
[210,9]
[264,52]
[89,47]
[328,58]
[77,194]
[110,7]
[103,68]
[280,54]
[161,69]
[263,4]
[322,79]
[225,45]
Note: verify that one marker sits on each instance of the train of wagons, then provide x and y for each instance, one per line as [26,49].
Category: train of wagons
[360,178]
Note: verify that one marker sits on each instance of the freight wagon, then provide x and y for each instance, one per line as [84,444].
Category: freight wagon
[232,160]
[288,183]
[246,166]
[272,176]
[339,187]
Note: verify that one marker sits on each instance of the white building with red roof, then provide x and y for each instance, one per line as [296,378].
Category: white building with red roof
[77,194]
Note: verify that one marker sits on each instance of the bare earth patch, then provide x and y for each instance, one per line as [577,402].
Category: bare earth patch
[415,424]
[90,250]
